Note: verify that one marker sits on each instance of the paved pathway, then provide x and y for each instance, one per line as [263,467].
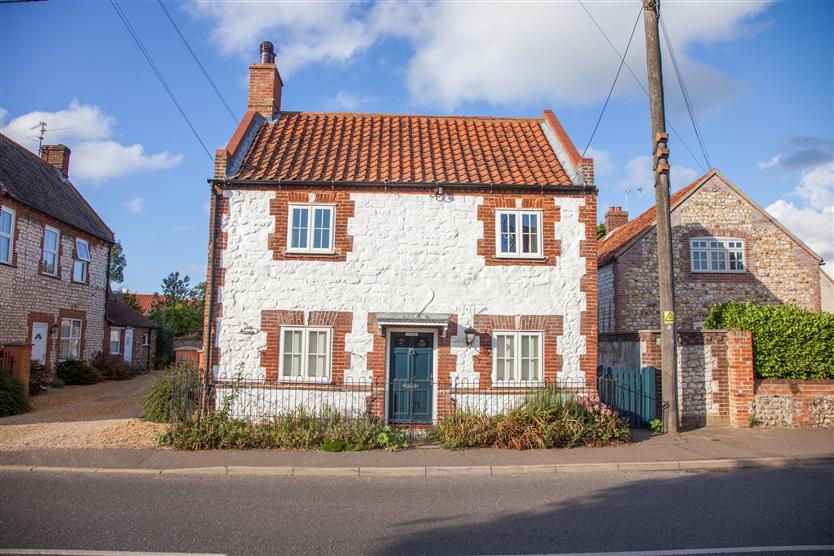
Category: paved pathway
[703,444]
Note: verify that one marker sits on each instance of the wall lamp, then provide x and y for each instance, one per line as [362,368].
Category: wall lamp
[470,334]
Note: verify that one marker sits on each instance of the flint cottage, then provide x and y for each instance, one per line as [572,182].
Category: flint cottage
[400,251]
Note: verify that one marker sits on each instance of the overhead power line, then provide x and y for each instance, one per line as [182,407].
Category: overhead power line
[197,60]
[685,92]
[640,83]
[158,74]
[614,83]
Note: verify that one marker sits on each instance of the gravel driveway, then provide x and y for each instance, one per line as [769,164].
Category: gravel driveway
[103,415]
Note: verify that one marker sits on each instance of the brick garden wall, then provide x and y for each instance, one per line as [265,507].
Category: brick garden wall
[794,403]
[716,384]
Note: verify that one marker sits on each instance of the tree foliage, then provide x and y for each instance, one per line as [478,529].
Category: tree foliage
[788,341]
[601,230]
[176,289]
[118,262]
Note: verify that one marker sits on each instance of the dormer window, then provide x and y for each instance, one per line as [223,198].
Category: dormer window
[310,229]
[712,254]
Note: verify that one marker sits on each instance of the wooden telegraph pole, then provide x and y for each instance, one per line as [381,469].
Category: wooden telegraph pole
[664,226]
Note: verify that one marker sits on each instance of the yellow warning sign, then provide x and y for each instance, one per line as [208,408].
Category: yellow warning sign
[668,317]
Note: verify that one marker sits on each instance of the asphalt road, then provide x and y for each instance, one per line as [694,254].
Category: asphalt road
[490,515]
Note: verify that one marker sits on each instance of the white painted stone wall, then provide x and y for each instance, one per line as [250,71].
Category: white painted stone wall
[410,253]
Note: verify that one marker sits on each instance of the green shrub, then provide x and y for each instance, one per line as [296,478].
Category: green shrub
[112,367]
[57,383]
[75,371]
[172,396]
[330,431]
[39,378]
[788,341]
[12,396]
[546,419]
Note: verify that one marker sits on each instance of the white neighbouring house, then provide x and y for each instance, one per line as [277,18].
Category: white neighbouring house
[359,249]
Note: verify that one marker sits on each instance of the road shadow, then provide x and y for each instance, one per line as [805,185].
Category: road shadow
[704,510]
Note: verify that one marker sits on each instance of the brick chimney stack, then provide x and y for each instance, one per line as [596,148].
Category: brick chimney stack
[265,83]
[57,156]
[614,218]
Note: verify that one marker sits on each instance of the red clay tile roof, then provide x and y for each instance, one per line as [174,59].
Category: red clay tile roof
[147,301]
[387,148]
[119,313]
[633,228]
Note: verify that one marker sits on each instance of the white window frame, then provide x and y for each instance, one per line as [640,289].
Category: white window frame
[517,334]
[305,333]
[10,236]
[56,252]
[726,251]
[146,339]
[310,208]
[118,351]
[519,239]
[78,260]
[70,337]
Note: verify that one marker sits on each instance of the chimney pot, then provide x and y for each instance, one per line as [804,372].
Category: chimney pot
[267,53]
[614,218]
[57,156]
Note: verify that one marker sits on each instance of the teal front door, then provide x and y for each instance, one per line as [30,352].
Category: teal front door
[410,390]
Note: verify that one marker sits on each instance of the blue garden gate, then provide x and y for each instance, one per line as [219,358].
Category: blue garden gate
[632,392]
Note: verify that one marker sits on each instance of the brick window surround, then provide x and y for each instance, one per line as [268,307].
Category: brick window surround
[550,216]
[279,208]
[549,325]
[685,261]
[71,314]
[340,322]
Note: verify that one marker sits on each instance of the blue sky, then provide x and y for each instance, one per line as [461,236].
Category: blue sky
[760,74]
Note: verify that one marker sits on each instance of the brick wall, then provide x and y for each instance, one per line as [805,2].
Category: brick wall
[779,270]
[716,384]
[794,403]
[27,296]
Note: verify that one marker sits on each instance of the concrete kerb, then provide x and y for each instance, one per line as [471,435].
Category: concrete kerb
[442,471]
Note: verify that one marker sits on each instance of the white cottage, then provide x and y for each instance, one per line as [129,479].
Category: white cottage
[372,262]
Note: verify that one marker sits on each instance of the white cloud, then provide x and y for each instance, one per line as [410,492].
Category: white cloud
[603,165]
[309,31]
[801,153]
[349,101]
[97,161]
[494,52]
[812,218]
[87,130]
[639,172]
[135,205]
